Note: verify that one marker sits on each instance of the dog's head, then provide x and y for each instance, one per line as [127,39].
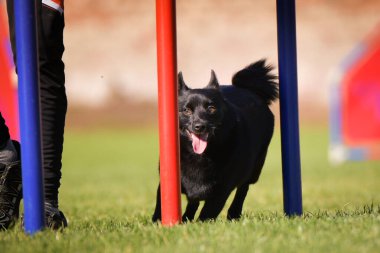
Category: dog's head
[201,113]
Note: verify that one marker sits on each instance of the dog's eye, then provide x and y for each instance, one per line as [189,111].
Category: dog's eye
[187,111]
[211,109]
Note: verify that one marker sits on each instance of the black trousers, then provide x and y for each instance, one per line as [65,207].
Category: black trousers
[50,25]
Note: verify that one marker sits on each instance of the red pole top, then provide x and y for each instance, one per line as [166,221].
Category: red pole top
[168,112]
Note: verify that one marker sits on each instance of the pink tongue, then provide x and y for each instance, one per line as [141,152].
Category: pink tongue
[199,145]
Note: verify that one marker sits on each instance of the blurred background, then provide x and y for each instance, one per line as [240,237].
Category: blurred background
[110,52]
[111,56]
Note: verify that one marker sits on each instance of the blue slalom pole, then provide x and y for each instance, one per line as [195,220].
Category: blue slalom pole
[287,61]
[29,108]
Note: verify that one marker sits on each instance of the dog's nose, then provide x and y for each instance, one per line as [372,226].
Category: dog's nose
[199,127]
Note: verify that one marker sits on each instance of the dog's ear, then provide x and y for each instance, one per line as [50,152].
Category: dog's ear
[213,84]
[181,84]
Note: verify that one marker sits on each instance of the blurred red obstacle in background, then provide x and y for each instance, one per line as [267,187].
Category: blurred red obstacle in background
[8,89]
[355,104]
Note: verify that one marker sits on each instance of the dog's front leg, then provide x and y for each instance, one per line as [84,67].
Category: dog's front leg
[191,209]
[213,207]
[234,212]
[157,212]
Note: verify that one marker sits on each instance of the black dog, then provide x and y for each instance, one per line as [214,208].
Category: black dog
[224,136]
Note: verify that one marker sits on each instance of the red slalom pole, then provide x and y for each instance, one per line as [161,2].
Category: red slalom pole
[168,112]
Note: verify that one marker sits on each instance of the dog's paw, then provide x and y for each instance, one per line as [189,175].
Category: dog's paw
[156,218]
[187,219]
[233,216]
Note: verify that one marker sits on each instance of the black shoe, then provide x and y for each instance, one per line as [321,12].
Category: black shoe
[54,218]
[10,191]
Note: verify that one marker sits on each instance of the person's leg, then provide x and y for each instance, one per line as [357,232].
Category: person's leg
[53,95]
[50,25]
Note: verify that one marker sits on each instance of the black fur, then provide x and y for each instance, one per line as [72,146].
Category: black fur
[237,125]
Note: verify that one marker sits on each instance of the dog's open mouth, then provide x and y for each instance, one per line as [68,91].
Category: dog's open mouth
[199,142]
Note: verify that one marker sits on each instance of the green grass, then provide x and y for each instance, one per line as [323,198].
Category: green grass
[108,194]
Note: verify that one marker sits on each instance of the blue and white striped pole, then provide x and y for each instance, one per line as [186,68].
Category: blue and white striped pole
[287,61]
[29,108]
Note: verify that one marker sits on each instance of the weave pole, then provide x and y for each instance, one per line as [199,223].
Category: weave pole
[287,61]
[168,112]
[29,109]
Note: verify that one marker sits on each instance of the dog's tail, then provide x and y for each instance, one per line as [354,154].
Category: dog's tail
[258,79]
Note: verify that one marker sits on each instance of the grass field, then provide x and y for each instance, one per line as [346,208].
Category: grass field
[108,194]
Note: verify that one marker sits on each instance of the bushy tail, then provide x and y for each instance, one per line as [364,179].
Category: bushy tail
[258,79]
